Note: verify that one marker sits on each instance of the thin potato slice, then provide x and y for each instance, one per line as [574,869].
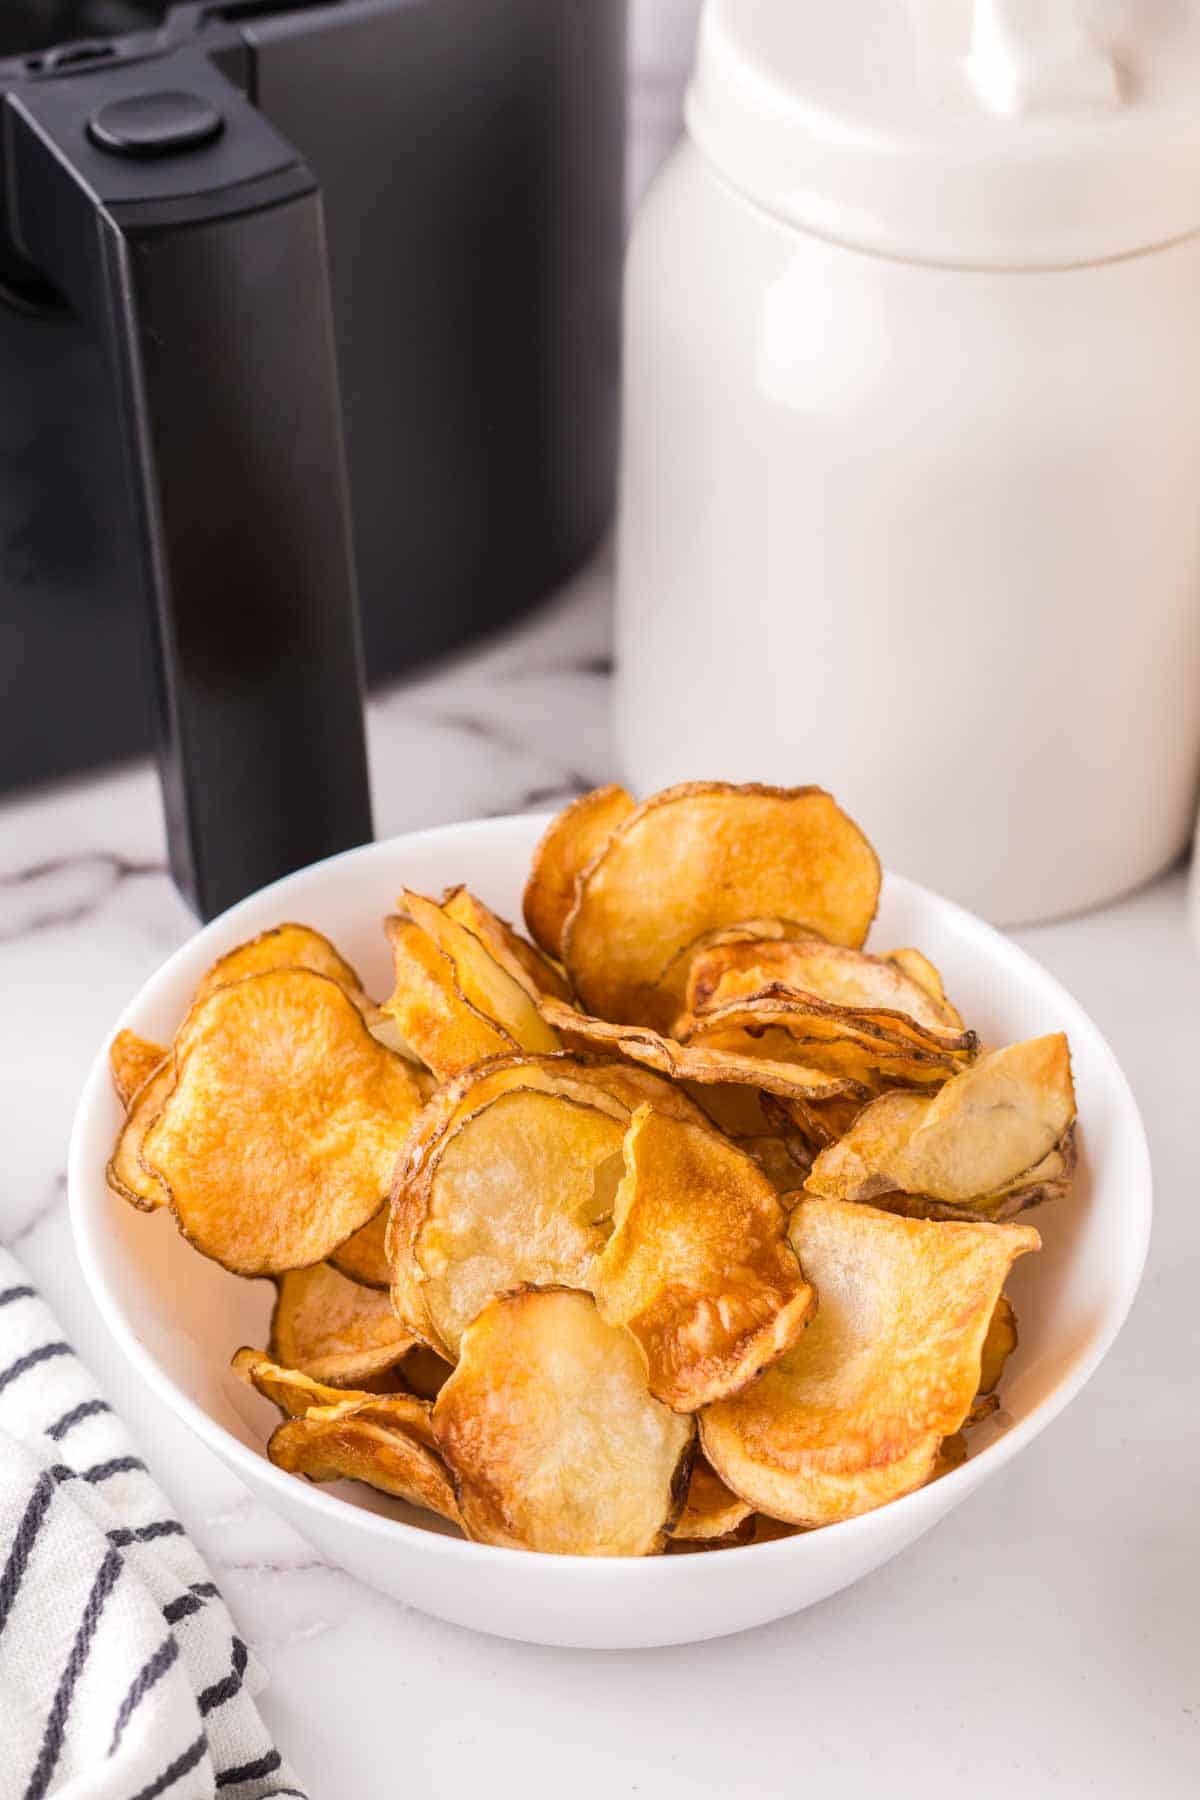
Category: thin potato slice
[570,842]
[615,1088]
[520,1191]
[998,1345]
[777,1030]
[703,855]
[523,961]
[430,1010]
[710,1510]
[352,1445]
[280,1131]
[999,1132]
[285,947]
[363,1256]
[698,1063]
[127,1173]
[809,966]
[334,1330]
[855,1414]
[698,1267]
[132,1060]
[297,1395]
[552,1437]
[483,982]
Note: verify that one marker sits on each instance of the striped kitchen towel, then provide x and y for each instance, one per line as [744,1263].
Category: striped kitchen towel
[121,1674]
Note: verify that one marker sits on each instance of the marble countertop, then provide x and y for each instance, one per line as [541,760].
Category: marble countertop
[1042,1640]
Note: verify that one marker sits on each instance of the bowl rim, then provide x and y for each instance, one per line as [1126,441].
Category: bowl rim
[85,1180]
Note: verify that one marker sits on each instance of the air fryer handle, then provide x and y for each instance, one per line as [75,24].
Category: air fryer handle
[203,266]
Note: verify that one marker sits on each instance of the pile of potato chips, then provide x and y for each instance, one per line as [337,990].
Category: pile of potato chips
[682,1226]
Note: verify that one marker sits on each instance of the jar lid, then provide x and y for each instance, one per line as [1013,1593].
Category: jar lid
[976,133]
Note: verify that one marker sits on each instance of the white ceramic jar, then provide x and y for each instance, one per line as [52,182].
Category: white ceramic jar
[910,499]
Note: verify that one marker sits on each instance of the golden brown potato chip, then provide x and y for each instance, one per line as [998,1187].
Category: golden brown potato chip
[355,1444]
[132,1060]
[981,1143]
[363,1256]
[998,1345]
[551,1435]
[520,1191]
[703,855]
[484,983]
[710,1510]
[777,1027]
[298,1395]
[431,1012]
[855,1413]
[526,964]
[570,842]
[127,1174]
[698,1063]
[615,1088]
[279,1134]
[808,966]
[334,1330]
[698,1266]
[285,947]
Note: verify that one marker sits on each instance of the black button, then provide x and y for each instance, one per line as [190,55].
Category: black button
[155,125]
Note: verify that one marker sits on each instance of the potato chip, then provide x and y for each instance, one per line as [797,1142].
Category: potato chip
[297,1395]
[998,1345]
[483,982]
[981,1143]
[285,947]
[615,1088]
[698,1267]
[703,855]
[334,1330]
[552,1437]
[526,964]
[808,966]
[353,1443]
[363,1256]
[710,1510]
[127,1174]
[520,1191]
[571,840]
[699,1062]
[778,1028]
[132,1060]
[855,1413]
[278,1136]
[429,1009]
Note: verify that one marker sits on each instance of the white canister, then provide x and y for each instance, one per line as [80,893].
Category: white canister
[910,497]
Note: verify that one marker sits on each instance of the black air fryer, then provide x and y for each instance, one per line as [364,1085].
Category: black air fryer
[308,317]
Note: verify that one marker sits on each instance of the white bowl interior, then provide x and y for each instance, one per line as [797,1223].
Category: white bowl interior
[180,1317]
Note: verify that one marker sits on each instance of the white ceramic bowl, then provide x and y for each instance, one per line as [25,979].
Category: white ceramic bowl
[178,1317]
